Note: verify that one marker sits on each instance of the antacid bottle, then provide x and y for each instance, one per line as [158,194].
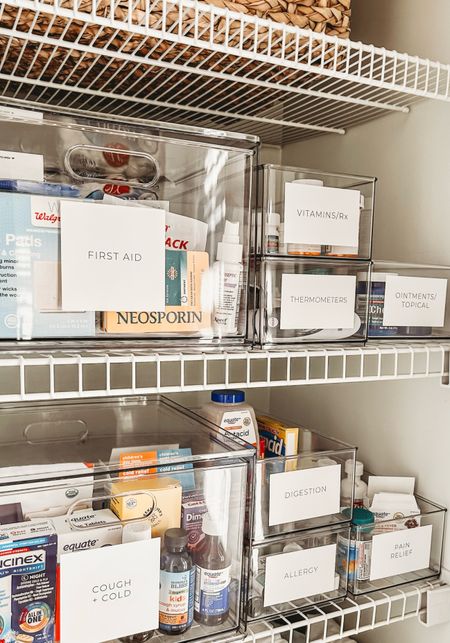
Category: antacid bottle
[213,576]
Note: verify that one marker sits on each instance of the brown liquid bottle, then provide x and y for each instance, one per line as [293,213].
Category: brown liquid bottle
[213,575]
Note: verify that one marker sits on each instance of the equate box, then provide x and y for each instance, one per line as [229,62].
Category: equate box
[28,552]
[83,530]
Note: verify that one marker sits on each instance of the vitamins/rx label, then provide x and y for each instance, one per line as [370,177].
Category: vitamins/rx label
[240,423]
[308,493]
[112,594]
[414,301]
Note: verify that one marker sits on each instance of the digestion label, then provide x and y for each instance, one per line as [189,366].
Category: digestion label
[414,301]
[112,257]
[400,552]
[317,301]
[321,215]
[106,594]
[298,574]
[308,493]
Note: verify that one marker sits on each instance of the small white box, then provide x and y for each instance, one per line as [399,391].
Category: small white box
[101,528]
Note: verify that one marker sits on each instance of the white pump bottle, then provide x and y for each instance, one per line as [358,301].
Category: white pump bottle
[228,271]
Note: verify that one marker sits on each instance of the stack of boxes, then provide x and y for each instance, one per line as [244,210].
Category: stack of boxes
[313,248]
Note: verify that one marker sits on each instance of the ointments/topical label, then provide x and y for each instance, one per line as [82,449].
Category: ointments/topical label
[304,494]
[414,301]
[317,301]
[401,552]
[298,574]
[240,423]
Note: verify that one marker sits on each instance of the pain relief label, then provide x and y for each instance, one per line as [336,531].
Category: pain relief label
[106,594]
[401,552]
[27,581]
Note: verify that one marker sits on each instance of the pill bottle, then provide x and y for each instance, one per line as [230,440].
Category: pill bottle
[212,576]
[354,555]
[359,486]
[272,233]
[229,410]
[177,580]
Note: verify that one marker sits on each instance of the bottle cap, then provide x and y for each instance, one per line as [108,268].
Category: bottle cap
[229,250]
[273,218]
[359,467]
[362,516]
[232,396]
[176,538]
[210,526]
[317,182]
[133,531]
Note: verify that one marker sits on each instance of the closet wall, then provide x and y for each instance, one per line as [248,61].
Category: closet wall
[400,427]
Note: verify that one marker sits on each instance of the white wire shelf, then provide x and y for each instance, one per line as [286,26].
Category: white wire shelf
[334,621]
[189,62]
[102,372]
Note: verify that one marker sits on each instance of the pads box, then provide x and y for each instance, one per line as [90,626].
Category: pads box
[28,581]
[30,287]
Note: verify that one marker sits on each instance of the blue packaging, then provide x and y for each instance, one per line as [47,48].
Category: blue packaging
[30,290]
[28,555]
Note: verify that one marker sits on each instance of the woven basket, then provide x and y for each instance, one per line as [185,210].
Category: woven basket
[54,64]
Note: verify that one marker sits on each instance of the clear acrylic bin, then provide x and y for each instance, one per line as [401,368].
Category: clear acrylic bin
[309,300]
[169,220]
[294,572]
[96,470]
[303,490]
[395,551]
[304,212]
[407,301]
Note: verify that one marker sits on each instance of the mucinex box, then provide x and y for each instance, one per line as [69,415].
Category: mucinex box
[27,581]
[30,285]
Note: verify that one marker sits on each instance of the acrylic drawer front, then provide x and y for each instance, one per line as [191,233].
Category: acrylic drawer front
[202,184]
[91,516]
[300,217]
[307,300]
[294,572]
[302,491]
[408,301]
[397,551]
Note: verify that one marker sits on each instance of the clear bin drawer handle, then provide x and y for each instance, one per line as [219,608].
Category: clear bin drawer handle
[81,504]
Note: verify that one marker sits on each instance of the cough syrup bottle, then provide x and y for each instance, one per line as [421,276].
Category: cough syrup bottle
[213,576]
[176,584]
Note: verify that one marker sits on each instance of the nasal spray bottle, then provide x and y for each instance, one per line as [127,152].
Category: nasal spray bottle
[228,272]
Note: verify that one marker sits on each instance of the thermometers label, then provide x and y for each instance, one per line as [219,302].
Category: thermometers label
[400,552]
[414,301]
[308,493]
[321,215]
[298,574]
[317,301]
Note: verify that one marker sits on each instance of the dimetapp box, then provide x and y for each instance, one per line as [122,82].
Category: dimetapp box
[28,581]
[30,287]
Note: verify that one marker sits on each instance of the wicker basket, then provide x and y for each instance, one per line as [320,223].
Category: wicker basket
[55,64]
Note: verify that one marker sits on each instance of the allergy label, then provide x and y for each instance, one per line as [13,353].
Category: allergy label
[298,574]
[308,493]
[414,301]
[400,552]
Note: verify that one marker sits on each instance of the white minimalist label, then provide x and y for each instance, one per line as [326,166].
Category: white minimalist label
[414,301]
[24,167]
[317,301]
[400,552]
[308,493]
[109,592]
[112,257]
[299,574]
[321,215]
[22,114]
